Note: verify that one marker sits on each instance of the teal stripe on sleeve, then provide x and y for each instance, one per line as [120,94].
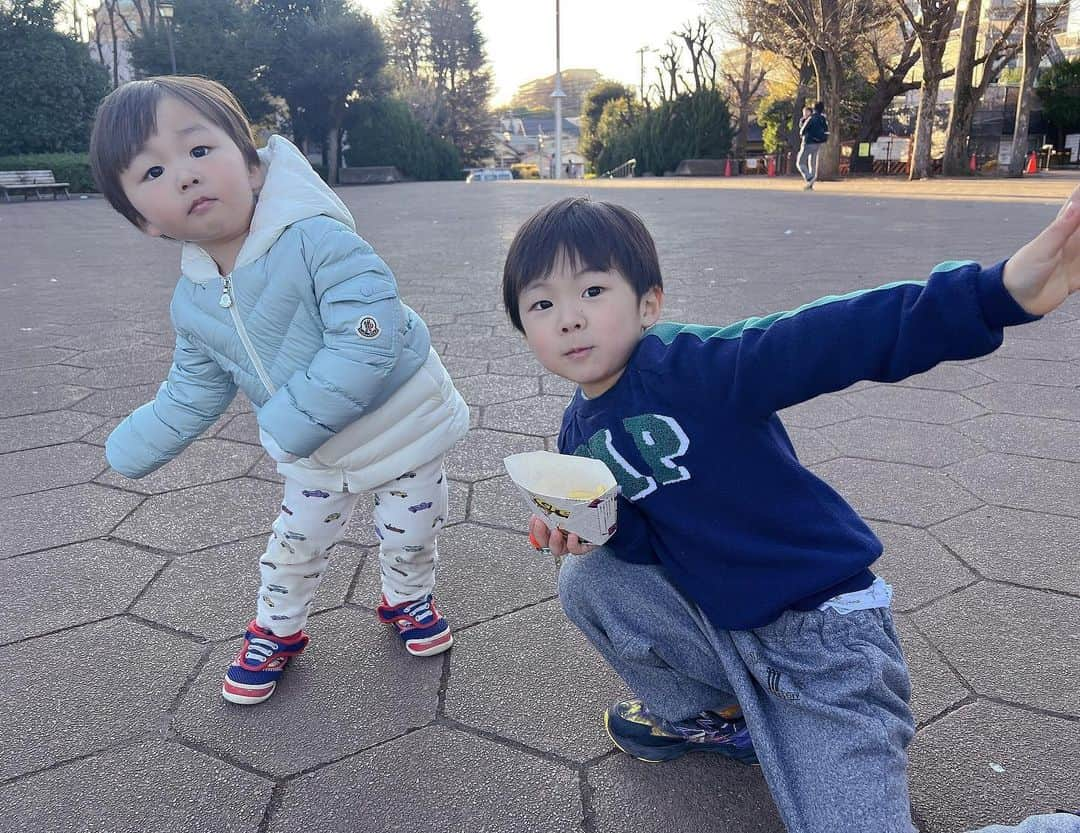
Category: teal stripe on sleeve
[667,331]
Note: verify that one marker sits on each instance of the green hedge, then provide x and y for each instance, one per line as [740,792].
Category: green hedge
[66,167]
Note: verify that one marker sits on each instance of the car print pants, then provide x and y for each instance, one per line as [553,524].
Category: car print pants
[409,512]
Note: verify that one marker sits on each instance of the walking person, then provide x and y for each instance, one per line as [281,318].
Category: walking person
[814,129]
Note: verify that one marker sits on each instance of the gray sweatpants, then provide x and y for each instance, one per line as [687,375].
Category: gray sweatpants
[807,162]
[825,695]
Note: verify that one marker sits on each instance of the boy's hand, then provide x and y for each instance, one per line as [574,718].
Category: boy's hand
[1047,270]
[557,541]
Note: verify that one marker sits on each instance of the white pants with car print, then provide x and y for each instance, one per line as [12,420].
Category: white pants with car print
[409,512]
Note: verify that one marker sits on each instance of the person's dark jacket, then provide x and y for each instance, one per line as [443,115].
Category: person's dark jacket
[815,130]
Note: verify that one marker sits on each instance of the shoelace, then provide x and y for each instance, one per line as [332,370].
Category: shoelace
[421,610]
[260,650]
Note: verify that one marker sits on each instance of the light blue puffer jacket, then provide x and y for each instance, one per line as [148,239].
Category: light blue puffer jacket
[309,325]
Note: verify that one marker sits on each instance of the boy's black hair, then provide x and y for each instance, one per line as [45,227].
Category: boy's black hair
[599,236]
[127,117]
[819,106]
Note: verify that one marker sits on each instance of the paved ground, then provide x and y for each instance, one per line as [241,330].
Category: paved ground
[126,599]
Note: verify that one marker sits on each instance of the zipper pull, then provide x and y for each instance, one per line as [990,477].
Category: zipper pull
[225,301]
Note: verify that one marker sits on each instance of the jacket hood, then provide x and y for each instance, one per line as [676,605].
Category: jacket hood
[291,192]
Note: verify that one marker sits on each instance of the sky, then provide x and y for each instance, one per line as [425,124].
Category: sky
[596,34]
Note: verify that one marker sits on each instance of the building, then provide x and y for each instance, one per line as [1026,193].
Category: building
[529,139]
[536,94]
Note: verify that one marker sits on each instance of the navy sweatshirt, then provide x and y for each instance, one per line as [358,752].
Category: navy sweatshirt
[711,487]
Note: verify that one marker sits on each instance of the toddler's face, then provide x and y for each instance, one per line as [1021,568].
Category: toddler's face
[584,325]
[190,181]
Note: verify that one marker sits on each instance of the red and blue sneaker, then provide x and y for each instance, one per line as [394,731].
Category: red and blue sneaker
[419,624]
[643,735]
[254,673]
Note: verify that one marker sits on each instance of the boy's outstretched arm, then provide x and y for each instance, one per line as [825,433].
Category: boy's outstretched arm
[1047,270]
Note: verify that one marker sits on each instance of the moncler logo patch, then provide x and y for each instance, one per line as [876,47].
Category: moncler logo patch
[367,327]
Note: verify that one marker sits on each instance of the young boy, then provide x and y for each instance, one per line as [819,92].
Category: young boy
[281,299]
[736,598]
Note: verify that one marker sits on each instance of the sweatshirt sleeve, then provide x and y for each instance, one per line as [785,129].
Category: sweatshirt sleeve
[362,318]
[196,392]
[883,335]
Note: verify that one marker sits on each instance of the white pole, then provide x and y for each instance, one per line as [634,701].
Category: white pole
[558,95]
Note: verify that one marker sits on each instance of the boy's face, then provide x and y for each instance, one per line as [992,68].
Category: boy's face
[584,325]
[190,180]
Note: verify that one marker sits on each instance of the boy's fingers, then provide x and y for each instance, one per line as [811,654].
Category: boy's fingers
[1057,234]
[557,543]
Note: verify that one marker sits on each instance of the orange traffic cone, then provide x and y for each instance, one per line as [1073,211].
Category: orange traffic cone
[772,166]
[727,168]
[973,165]
[1032,165]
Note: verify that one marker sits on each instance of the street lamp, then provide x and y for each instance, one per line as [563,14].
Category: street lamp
[165,9]
[558,95]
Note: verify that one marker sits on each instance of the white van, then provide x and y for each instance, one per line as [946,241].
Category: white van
[490,175]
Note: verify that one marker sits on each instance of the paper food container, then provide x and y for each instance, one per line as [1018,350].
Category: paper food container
[575,494]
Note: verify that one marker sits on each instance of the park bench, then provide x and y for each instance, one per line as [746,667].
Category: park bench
[31,183]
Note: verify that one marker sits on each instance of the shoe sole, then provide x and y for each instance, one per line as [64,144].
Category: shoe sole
[234,693]
[676,751]
[430,647]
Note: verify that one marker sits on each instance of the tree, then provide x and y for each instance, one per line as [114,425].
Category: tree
[826,32]
[776,117]
[320,56]
[745,70]
[966,93]
[891,50]
[439,57]
[214,38]
[49,84]
[1038,33]
[592,107]
[1059,92]
[384,132]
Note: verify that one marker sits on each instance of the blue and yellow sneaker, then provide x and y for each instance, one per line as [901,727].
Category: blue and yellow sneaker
[254,673]
[419,624]
[644,736]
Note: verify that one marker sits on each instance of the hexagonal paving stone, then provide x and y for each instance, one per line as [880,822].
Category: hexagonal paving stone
[1031,371]
[1058,349]
[699,792]
[1022,482]
[483,573]
[191,519]
[461,367]
[37,430]
[824,410]
[1034,436]
[523,364]
[810,445]
[116,680]
[534,656]
[486,347]
[540,415]
[917,566]
[466,783]
[934,686]
[39,399]
[892,492]
[14,381]
[969,770]
[557,386]
[1023,547]
[47,468]
[352,688]
[33,357]
[136,373]
[498,502]
[205,461]
[71,585]
[121,356]
[914,404]
[1032,400]
[118,402]
[480,455]
[152,787]
[896,441]
[483,390]
[61,516]
[947,376]
[212,594]
[1010,642]
[243,428]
